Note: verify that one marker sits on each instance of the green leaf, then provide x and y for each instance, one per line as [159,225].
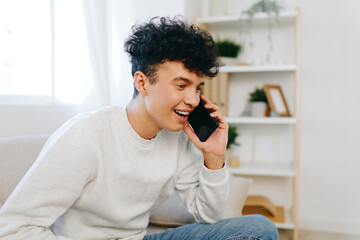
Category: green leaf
[228,48]
[258,95]
[232,135]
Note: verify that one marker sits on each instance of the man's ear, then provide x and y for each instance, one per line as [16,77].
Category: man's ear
[140,82]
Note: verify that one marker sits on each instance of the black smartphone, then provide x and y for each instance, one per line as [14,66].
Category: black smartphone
[201,122]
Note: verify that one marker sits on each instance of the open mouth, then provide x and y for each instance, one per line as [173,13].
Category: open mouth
[181,113]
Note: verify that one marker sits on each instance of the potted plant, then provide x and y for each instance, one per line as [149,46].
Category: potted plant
[233,160]
[258,102]
[272,8]
[232,135]
[228,50]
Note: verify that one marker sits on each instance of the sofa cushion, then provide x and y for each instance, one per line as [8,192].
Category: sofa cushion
[171,213]
[239,187]
[17,154]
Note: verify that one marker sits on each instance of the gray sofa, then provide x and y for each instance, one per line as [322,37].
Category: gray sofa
[17,154]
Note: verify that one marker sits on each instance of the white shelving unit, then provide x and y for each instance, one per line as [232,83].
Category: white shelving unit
[270,170]
[265,68]
[284,16]
[289,225]
[261,120]
[283,170]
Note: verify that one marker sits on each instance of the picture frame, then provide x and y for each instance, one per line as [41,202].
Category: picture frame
[276,100]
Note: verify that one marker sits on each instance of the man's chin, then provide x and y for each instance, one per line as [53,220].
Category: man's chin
[176,128]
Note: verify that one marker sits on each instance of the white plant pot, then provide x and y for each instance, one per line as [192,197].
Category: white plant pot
[258,109]
[229,60]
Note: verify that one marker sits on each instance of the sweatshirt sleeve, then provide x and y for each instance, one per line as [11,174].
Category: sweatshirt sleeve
[53,183]
[205,192]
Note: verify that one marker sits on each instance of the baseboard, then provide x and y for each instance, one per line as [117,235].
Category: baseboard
[341,227]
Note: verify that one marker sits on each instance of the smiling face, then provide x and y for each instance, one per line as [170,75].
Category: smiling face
[175,93]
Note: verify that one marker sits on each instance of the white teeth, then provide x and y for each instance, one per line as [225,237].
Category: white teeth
[182,112]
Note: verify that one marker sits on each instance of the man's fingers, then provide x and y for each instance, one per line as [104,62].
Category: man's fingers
[209,104]
[215,110]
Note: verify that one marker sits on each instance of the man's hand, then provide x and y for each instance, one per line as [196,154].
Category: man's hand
[214,148]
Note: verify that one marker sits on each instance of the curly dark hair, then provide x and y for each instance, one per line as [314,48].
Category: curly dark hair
[175,40]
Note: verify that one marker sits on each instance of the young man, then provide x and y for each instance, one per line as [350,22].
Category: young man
[102,173]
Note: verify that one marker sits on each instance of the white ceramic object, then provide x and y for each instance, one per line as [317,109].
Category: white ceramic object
[229,61]
[258,109]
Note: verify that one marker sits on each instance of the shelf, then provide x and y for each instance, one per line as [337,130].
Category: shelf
[266,170]
[288,224]
[261,120]
[257,68]
[285,15]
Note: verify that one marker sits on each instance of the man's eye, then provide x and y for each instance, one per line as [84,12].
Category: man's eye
[199,88]
[181,86]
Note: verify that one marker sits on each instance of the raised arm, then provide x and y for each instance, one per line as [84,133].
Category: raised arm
[204,191]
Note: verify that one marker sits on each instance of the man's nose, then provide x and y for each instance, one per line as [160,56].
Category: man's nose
[192,99]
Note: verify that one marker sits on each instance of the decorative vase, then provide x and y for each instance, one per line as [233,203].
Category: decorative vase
[229,60]
[232,158]
[258,109]
[234,162]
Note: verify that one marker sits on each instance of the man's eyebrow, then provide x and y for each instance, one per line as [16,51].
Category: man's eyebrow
[182,78]
[187,80]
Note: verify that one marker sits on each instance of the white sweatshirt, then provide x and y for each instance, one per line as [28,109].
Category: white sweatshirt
[99,179]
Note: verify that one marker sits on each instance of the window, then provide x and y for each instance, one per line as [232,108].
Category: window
[43,52]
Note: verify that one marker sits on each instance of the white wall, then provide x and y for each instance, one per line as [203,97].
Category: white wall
[330,156]
[330,129]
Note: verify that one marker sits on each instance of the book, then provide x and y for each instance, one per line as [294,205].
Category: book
[216,90]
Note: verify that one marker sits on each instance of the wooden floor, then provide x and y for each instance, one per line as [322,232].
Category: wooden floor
[312,235]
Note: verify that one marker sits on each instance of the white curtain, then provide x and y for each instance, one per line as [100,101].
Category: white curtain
[97,36]
[122,16]
[108,22]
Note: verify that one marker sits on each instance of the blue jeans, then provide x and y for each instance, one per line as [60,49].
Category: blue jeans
[254,227]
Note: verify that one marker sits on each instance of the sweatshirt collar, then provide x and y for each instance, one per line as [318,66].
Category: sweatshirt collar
[142,142]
